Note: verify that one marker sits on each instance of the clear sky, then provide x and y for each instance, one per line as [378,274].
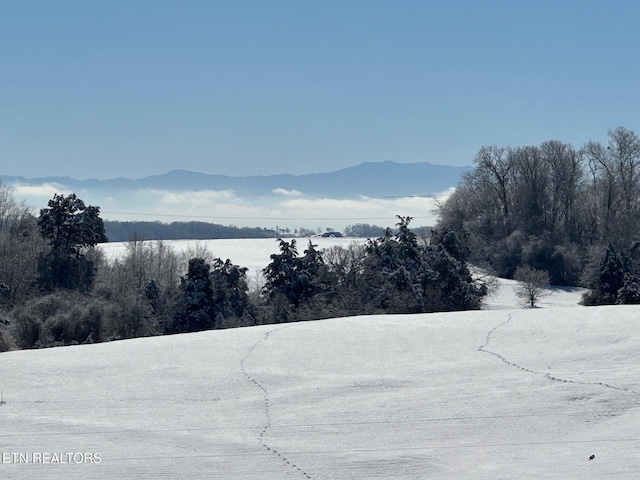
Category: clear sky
[101,89]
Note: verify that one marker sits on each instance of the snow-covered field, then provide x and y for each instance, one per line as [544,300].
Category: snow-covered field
[254,254]
[503,393]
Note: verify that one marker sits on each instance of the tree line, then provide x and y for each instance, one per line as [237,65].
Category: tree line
[574,213]
[122,231]
[57,288]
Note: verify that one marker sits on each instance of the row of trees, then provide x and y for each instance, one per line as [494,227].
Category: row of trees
[121,231]
[396,273]
[551,207]
[56,288]
[522,212]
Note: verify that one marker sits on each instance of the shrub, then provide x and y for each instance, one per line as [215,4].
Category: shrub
[629,294]
[59,318]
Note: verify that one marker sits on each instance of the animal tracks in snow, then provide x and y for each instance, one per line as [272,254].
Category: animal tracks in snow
[262,437]
[554,378]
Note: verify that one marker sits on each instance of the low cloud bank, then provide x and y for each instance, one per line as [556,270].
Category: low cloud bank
[285,209]
[38,195]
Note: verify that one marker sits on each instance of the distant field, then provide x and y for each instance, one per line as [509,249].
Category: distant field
[253,253]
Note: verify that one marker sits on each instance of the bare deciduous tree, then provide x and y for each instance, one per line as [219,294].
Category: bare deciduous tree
[533,285]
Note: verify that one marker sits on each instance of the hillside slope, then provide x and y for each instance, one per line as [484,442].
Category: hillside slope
[506,393]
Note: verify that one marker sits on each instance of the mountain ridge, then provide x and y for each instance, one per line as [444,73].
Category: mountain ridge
[386,178]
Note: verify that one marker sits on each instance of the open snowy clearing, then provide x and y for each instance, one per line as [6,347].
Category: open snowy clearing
[502,393]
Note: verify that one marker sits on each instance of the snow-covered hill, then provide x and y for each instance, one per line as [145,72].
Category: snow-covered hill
[494,394]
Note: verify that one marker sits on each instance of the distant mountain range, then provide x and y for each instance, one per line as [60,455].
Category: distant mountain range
[379,179]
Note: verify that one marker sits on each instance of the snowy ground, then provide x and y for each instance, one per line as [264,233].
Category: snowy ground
[503,393]
[254,254]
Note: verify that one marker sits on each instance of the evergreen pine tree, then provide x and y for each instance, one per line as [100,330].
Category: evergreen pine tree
[196,310]
[71,227]
[451,241]
[611,272]
[629,294]
[230,289]
[406,277]
[282,272]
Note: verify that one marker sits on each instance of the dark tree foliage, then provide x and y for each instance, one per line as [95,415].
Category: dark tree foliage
[454,285]
[611,273]
[613,281]
[452,242]
[71,227]
[231,300]
[59,269]
[629,294]
[124,231]
[406,277]
[196,310]
[407,240]
[281,275]
[213,297]
[293,281]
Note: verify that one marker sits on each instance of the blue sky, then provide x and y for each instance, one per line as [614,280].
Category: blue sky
[101,89]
